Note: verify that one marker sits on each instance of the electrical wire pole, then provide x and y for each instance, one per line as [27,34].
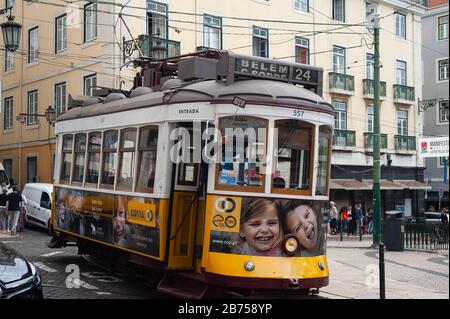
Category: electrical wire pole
[377,234]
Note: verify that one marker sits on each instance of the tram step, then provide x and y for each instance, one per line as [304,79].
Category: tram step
[186,286]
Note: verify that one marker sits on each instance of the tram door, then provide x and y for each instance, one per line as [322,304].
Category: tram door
[187,211]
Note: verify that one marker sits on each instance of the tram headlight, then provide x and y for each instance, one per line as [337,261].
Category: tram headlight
[290,245]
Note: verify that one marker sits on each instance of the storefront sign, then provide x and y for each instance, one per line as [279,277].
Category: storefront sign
[433,147]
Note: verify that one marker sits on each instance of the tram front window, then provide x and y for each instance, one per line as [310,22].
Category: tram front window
[293,155]
[67,157]
[80,155]
[148,141]
[127,157]
[109,158]
[324,160]
[94,147]
[243,152]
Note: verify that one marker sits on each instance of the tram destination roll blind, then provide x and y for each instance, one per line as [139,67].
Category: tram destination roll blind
[304,75]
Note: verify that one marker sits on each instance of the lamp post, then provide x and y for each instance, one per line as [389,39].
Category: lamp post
[50,116]
[11,31]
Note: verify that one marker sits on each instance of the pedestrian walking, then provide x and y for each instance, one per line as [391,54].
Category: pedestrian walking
[333,216]
[21,222]
[359,218]
[369,220]
[14,208]
[3,214]
[351,221]
[344,219]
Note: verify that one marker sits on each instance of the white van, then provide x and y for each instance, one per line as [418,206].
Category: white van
[39,204]
[3,176]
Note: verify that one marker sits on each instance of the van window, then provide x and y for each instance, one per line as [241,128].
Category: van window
[45,201]
[32,194]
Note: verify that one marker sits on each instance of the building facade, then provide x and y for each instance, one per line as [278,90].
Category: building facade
[436,79]
[332,34]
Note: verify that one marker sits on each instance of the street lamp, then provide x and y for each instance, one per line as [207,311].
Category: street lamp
[11,31]
[50,116]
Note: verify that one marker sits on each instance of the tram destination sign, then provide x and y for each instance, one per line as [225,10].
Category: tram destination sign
[308,76]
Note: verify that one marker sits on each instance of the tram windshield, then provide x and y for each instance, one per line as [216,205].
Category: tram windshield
[292,155]
[243,152]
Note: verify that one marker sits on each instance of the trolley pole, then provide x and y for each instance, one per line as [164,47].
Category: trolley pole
[376,137]
[377,234]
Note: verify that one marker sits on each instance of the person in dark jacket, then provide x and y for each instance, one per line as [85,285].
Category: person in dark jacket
[3,215]
[14,208]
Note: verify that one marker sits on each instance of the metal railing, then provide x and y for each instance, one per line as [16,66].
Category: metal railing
[344,138]
[342,82]
[368,87]
[403,92]
[159,48]
[405,143]
[368,140]
[432,236]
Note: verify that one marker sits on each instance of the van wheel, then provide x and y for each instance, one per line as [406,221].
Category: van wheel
[49,229]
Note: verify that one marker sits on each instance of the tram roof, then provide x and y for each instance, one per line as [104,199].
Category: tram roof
[260,92]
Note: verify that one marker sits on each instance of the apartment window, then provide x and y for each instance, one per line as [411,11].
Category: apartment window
[148,142]
[61,33]
[212,32]
[260,42]
[9,60]
[93,165]
[8,114]
[89,84]
[66,157]
[443,27]
[79,158]
[157,19]
[400,25]
[90,22]
[339,59]
[109,158]
[402,122]
[33,44]
[339,10]
[60,98]
[400,72]
[32,108]
[370,119]
[340,109]
[302,5]
[8,165]
[443,112]
[443,70]
[301,50]
[370,66]
[32,170]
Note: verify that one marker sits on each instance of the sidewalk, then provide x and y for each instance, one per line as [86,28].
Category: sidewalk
[352,241]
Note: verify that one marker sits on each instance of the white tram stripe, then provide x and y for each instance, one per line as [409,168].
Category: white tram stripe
[52,254]
[44,267]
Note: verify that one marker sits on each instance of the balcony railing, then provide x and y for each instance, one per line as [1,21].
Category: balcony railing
[342,83]
[368,140]
[405,143]
[344,138]
[404,93]
[368,88]
[159,48]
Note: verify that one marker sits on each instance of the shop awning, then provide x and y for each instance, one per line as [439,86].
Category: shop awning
[385,185]
[348,184]
[413,184]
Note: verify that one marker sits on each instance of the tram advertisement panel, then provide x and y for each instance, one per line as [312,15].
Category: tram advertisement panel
[123,221]
[257,226]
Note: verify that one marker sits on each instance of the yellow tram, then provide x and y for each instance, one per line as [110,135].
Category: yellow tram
[214,169]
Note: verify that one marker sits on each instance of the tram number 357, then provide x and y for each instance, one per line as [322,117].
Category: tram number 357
[298,113]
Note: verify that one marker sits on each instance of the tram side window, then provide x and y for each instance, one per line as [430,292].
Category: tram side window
[66,158]
[243,153]
[148,141]
[79,158]
[93,166]
[109,158]
[324,160]
[292,162]
[127,152]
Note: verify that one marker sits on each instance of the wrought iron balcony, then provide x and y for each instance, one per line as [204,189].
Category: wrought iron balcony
[153,47]
[368,89]
[368,140]
[344,138]
[405,143]
[404,94]
[342,83]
